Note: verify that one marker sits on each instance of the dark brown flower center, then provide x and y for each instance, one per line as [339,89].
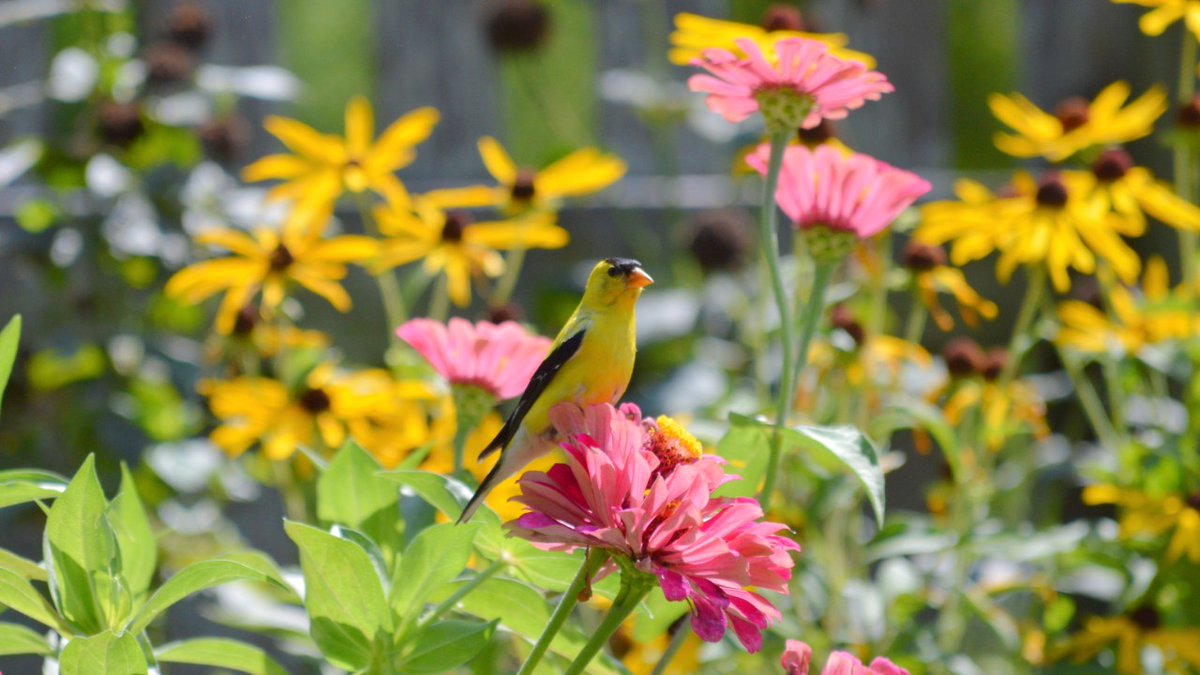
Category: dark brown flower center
[841,317]
[189,25]
[1072,113]
[246,319]
[818,134]
[523,186]
[516,25]
[1194,500]
[782,17]
[1051,192]
[506,312]
[963,357]
[120,123]
[993,364]
[1145,617]
[223,137]
[315,400]
[1189,113]
[923,257]
[719,240]
[1112,165]
[454,227]
[281,258]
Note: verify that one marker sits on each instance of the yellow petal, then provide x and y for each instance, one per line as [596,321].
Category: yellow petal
[406,132]
[281,167]
[471,197]
[349,248]
[306,141]
[496,161]
[579,173]
[360,127]
[514,234]
[1156,21]
[330,290]
[238,243]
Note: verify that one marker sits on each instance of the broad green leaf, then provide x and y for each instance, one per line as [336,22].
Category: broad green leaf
[20,596]
[82,552]
[447,645]
[139,549]
[520,609]
[15,639]
[18,486]
[22,567]
[344,597]
[745,447]
[220,653]
[434,557]
[548,570]
[450,496]
[352,493]
[9,337]
[191,579]
[108,653]
[257,560]
[850,447]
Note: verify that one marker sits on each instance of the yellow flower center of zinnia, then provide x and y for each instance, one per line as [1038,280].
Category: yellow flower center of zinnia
[673,445]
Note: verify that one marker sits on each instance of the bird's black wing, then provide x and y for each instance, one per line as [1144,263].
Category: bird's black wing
[537,384]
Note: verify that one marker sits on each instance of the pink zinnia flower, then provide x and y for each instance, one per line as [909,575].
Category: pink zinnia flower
[797,655]
[848,193]
[497,358]
[641,490]
[803,85]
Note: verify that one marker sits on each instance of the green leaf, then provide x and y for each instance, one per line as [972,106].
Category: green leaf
[16,639]
[548,570]
[82,552]
[139,549]
[191,579]
[745,447]
[520,609]
[18,486]
[20,596]
[22,567]
[344,597]
[108,653]
[352,493]
[9,337]
[447,645]
[850,447]
[450,496]
[220,653]
[434,558]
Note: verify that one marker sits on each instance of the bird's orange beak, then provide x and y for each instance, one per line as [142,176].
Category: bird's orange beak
[638,278]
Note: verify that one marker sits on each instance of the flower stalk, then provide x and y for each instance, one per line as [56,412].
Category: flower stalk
[768,235]
[389,287]
[1184,159]
[591,563]
[634,587]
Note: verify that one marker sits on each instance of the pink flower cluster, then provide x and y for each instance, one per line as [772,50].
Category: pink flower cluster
[498,358]
[797,655]
[627,486]
[803,67]
[851,193]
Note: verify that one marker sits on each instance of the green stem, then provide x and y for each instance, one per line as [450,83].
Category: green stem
[508,283]
[462,592]
[682,630]
[389,288]
[570,597]
[1089,400]
[914,326]
[1184,161]
[769,237]
[1035,285]
[812,315]
[439,304]
[293,500]
[634,587]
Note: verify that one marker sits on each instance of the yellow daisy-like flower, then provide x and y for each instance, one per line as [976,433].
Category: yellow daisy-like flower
[262,411]
[268,260]
[392,434]
[693,34]
[1055,223]
[324,166]
[882,358]
[1004,413]
[1077,124]
[1160,316]
[931,276]
[448,243]
[1129,635]
[520,189]
[1163,13]
[1144,515]
[1133,193]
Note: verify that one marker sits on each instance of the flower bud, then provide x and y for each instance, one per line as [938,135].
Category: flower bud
[920,257]
[719,240]
[963,357]
[120,123]
[516,25]
[189,25]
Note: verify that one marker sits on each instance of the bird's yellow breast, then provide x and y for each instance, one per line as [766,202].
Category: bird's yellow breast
[598,373]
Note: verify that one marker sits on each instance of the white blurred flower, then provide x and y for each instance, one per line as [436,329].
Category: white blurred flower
[188,108]
[270,83]
[106,177]
[73,74]
[66,247]
[18,158]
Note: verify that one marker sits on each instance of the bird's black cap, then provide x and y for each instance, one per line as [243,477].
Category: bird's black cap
[622,266]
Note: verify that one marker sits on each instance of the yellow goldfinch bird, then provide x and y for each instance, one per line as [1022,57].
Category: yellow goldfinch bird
[590,362]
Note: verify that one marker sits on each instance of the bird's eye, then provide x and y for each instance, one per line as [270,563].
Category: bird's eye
[613,271]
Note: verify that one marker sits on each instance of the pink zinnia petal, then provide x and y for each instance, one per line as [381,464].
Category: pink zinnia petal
[796,658]
[498,358]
